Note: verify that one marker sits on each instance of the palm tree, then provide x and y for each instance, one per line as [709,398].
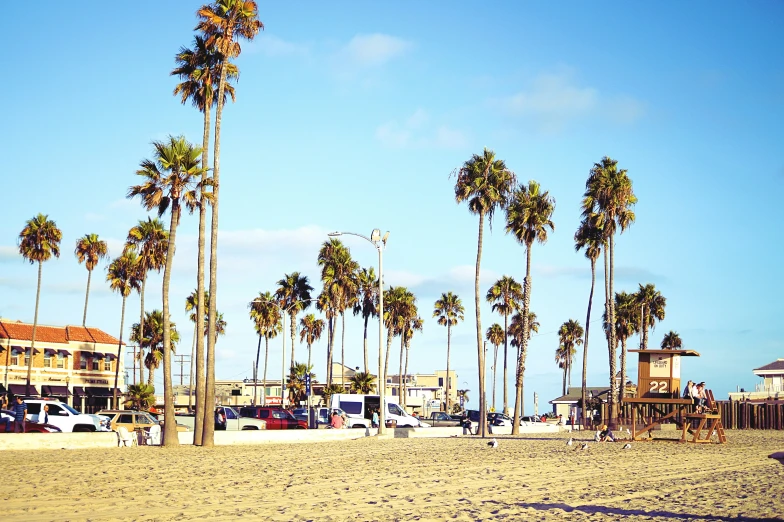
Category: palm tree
[200,70]
[330,390]
[570,335]
[266,317]
[296,383]
[222,23]
[123,277]
[671,341]
[310,332]
[341,283]
[528,217]
[607,202]
[151,242]
[151,337]
[89,250]
[139,397]
[505,296]
[626,324]
[591,239]
[486,184]
[415,324]
[650,307]
[367,302]
[325,303]
[293,295]
[463,396]
[362,382]
[192,306]
[496,335]
[39,240]
[449,311]
[171,180]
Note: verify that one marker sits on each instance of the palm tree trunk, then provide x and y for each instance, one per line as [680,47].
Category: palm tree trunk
[169,427]
[366,348]
[448,348]
[519,405]
[208,431]
[400,370]
[86,297]
[266,358]
[309,354]
[623,372]
[342,348]
[115,399]
[506,383]
[190,373]
[585,345]
[495,371]
[201,384]
[479,345]
[293,335]
[405,370]
[386,358]
[35,325]
[151,374]
[564,381]
[141,330]
[256,373]
[330,345]
[613,405]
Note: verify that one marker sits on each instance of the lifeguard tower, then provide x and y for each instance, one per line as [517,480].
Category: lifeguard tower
[658,398]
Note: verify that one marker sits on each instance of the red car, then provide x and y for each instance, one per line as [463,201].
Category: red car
[7,420]
[276,417]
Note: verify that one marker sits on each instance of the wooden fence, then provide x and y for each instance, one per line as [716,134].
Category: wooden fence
[735,415]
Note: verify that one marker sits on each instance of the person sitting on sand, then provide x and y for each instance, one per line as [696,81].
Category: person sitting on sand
[337,421]
[606,435]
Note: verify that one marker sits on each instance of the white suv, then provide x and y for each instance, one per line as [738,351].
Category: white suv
[65,417]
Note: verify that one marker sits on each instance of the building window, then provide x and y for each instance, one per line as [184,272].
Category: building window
[27,358]
[96,364]
[47,360]
[441,382]
[83,362]
[107,365]
[60,360]
[14,358]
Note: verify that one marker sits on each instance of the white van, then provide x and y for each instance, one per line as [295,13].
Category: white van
[362,406]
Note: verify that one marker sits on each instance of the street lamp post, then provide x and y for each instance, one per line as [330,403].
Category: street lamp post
[380,243]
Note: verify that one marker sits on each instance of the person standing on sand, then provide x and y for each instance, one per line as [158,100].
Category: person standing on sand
[374,421]
[20,415]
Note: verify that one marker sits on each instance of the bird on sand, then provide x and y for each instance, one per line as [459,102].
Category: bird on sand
[493,443]
[627,446]
[584,446]
[628,432]
[569,442]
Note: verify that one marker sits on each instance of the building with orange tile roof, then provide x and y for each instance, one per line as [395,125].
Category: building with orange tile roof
[74,364]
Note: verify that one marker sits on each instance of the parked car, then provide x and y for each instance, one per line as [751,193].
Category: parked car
[65,417]
[234,422]
[440,419]
[324,417]
[133,420]
[275,416]
[360,408]
[30,426]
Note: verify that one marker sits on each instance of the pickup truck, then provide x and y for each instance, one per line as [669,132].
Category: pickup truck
[66,418]
[440,419]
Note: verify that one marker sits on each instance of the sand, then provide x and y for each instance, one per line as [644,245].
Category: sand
[526,478]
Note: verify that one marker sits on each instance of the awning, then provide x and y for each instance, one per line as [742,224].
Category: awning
[50,351]
[78,391]
[64,352]
[35,350]
[56,391]
[111,356]
[97,355]
[23,389]
[94,391]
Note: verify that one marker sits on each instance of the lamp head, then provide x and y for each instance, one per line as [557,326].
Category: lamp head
[375,235]
[384,239]
[335,234]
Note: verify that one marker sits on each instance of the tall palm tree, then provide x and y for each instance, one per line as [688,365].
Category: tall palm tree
[170,181]
[496,336]
[485,184]
[650,304]
[151,337]
[151,241]
[325,303]
[505,296]
[222,23]
[671,341]
[192,306]
[39,240]
[293,295]
[415,324]
[123,277]
[607,201]
[394,306]
[449,311]
[626,324]
[341,282]
[528,217]
[362,382]
[516,332]
[590,238]
[266,317]
[570,335]
[367,302]
[310,332]
[200,70]
[89,250]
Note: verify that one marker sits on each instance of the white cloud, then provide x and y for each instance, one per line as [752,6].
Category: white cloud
[416,131]
[372,50]
[8,253]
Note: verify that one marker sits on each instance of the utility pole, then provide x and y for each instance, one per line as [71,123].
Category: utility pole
[182,359]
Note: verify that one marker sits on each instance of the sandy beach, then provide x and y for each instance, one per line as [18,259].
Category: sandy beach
[530,478]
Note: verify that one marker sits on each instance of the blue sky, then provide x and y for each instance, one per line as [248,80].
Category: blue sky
[352,116]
